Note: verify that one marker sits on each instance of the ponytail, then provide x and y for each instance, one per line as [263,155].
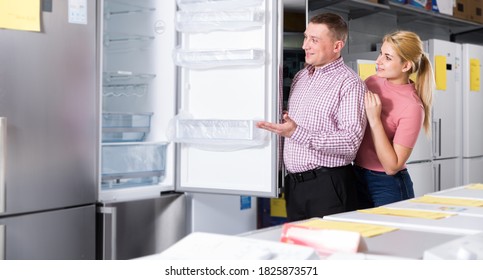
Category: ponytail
[424,87]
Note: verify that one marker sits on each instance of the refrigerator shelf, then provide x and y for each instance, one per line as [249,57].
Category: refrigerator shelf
[205,59]
[206,21]
[126,78]
[137,90]
[219,133]
[216,5]
[115,8]
[120,42]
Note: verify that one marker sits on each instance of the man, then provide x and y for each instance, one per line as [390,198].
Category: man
[323,126]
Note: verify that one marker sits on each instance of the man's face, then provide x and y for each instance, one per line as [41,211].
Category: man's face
[319,45]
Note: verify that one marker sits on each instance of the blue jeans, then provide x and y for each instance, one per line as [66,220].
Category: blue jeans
[384,189]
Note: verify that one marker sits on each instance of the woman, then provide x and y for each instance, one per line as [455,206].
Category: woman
[396,108]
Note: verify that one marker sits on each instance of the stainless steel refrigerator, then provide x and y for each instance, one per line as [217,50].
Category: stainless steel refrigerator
[49,135]
[182,86]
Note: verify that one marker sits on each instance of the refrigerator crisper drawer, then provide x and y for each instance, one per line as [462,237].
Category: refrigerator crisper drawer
[233,132]
[125,127]
[127,165]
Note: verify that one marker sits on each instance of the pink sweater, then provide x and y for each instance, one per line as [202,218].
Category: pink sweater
[402,117]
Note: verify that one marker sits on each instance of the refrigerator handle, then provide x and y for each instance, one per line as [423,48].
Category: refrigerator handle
[439,137]
[109,232]
[435,178]
[3,161]
[435,137]
[438,187]
[2,242]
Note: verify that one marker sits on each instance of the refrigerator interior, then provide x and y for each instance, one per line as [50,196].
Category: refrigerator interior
[137,79]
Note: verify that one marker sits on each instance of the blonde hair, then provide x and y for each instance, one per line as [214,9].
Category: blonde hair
[409,47]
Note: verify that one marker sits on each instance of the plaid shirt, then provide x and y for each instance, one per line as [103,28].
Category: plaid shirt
[327,104]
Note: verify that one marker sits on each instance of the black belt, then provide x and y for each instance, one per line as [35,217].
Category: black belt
[312,174]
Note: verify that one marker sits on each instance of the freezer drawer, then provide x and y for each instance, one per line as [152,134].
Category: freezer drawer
[133,164]
[127,230]
[67,234]
[125,127]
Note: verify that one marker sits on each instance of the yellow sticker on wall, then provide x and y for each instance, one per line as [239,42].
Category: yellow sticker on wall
[440,72]
[366,70]
[474,74]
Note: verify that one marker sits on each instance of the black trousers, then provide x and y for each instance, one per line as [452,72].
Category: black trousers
[320,192]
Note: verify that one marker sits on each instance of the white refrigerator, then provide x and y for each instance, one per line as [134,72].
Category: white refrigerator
[472,114]
[446,58]
[435,163]
[183,84]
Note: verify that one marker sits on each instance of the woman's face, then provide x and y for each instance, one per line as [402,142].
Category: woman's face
[390,65]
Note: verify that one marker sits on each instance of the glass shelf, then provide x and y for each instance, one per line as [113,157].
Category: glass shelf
[137,90]
[127,40]
[114,8]
[126,78]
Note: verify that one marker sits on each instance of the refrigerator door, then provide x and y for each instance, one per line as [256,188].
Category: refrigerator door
[472,170]
[228,80]
[49,106]
[67,234]
[422,176]
[446,60]
[472,100]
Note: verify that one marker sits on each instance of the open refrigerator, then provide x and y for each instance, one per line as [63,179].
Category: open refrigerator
[183,84]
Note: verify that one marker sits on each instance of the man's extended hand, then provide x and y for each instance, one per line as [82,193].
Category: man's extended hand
[285,129]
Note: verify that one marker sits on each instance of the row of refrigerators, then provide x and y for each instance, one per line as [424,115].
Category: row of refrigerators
[453,154]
